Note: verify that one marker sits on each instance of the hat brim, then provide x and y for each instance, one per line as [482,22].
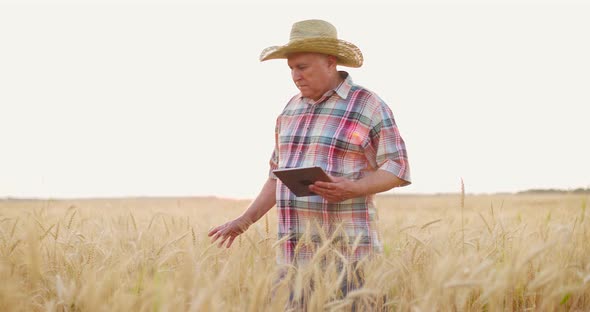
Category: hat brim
[346,53]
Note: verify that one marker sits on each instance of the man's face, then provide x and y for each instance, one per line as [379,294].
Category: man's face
[311,73]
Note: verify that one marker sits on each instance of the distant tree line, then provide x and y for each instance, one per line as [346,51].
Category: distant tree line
[579,190]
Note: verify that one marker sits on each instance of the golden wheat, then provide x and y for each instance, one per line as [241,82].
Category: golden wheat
[444,253]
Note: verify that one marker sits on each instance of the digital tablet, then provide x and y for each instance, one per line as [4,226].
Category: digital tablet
[299,179]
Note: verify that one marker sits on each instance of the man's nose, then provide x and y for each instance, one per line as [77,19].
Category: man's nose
[295,75]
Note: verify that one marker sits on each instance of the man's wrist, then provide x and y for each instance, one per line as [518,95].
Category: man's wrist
[245,221]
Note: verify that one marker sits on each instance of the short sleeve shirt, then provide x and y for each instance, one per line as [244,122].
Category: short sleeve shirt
[349,132]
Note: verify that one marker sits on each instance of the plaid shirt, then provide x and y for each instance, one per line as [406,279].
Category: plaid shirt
[349,132]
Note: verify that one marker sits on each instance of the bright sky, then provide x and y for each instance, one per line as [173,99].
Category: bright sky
[171,100]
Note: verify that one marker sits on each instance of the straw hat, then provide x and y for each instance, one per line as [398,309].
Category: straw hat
[316,36]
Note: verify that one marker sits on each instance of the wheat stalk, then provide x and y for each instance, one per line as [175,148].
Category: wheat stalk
[462,217]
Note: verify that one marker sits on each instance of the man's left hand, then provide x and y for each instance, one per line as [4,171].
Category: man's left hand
[340,189]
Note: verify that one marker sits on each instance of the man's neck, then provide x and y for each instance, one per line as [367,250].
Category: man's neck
[336,80]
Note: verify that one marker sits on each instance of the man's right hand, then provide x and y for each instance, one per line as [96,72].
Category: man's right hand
[229,231]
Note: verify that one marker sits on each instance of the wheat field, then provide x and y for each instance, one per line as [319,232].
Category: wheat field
[441,253]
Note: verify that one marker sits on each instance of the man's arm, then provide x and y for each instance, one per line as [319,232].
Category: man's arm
[341,189]
[265,200]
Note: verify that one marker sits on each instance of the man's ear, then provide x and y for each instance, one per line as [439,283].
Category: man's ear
[332,61]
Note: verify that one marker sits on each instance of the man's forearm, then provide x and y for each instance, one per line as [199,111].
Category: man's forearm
[265,200]
[342,188]
[378,181]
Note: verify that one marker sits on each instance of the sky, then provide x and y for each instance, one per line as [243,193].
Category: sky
[154,98]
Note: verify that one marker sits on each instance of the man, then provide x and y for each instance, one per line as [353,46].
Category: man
[337,125]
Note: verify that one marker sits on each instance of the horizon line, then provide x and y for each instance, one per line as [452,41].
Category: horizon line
[60,198]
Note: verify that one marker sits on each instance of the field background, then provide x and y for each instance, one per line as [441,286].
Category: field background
[441,252]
